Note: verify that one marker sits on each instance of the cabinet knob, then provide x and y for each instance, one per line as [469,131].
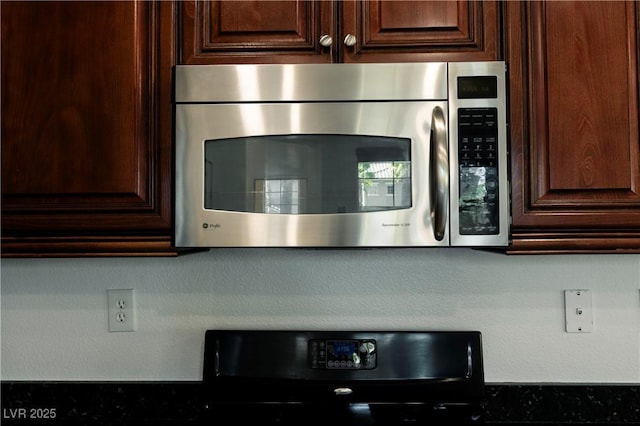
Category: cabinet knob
[326,40]
[350,40]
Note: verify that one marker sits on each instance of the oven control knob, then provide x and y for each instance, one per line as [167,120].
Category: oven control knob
[367,347]
[326,40]
[355,361]
[350,40]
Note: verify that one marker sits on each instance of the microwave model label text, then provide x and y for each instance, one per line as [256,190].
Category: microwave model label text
[384,225]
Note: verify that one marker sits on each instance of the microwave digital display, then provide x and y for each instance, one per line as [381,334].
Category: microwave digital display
[480,87]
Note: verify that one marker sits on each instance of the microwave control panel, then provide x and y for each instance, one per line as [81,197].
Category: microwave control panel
[478,171]
[342,354]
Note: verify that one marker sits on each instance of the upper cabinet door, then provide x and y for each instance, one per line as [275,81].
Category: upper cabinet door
[574,125]
[257,31]
[86,133]
[419,31]
[303,31]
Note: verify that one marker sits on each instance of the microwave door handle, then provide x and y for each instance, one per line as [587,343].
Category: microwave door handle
[439,174]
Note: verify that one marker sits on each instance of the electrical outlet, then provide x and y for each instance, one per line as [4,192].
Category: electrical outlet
[121,309]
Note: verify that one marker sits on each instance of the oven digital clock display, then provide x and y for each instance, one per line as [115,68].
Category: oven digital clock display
[342,348]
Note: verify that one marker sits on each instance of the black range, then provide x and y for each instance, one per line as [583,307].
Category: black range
[286,377]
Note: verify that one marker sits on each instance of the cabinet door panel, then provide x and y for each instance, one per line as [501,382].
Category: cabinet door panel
[592,96]
[574,124]
[51,96]
[255,31]
[84,153]
[412,31]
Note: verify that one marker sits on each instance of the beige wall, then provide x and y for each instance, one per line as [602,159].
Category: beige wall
[54,317]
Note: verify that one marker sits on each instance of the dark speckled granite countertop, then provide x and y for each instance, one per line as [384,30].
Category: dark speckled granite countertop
[183,403]
[562,404]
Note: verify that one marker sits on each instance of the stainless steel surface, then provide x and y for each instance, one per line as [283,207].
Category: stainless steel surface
[310,82]
[416,101]
[197,123]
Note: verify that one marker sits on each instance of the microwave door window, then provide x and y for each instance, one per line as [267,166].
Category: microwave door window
[308,174]
[384,185]
[280,196]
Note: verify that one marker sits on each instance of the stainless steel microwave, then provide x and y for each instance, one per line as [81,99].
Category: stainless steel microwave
[341,155]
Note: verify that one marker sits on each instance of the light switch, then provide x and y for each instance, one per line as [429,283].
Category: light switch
[578,311]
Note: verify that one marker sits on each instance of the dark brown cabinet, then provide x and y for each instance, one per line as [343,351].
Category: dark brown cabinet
[574,76]
[302,31]
[87,116]
[86,128]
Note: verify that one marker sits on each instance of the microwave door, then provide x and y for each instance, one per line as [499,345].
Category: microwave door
[312,174]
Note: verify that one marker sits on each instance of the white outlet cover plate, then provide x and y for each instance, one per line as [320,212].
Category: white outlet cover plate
[578,311]
[121,310]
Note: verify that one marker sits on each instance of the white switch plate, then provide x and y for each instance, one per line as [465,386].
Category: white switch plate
[578,311]
[121,309]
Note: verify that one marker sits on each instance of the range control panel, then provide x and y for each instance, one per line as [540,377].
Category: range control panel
[342,354]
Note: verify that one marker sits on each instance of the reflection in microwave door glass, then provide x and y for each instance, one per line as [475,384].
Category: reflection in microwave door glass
[280,196]
[384,185]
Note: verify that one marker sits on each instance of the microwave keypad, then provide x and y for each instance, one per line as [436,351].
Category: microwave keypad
[478,137]
[478,171]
